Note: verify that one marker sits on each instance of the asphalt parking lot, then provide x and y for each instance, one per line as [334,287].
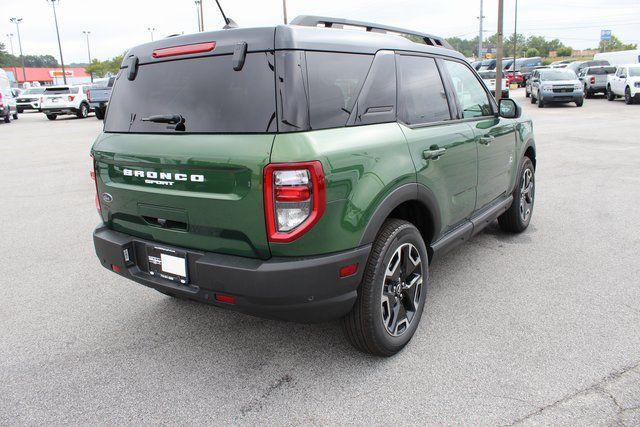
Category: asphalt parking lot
[540,328]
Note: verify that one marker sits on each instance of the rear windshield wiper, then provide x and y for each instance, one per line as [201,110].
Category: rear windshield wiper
[172,119]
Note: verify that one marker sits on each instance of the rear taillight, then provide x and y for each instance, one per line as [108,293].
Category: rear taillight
[92,174]
[71,98]
[88,96]
[593,80]
[294,199]
[1,103]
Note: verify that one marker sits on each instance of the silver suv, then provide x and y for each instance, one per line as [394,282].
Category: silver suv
[551,85]
[594,79]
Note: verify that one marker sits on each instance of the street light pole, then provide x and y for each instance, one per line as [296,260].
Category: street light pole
[86,33]
[55,18]
[24,73]
[499,51]
[284,11]
[151,30]
[199,10]
[15,72]
[481,17]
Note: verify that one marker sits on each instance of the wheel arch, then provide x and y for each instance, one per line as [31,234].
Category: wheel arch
[412,202]
[530,151]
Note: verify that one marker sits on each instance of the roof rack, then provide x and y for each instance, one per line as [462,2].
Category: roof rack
[323,21]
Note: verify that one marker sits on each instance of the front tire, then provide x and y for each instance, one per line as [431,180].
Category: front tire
[517,218]
[579,103]
[628,99]
[540,103]
[393,290]
[51,116]
[610,95]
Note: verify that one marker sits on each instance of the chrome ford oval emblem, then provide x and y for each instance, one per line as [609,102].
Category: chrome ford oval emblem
[107,198]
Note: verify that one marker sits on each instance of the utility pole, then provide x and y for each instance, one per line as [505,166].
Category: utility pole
[55,18]
[15,72]
[481,17]
[284,11]
[86,33]
[201,17]
[499,52]
[197,2]
[24,73]
[151,30]
[515,40]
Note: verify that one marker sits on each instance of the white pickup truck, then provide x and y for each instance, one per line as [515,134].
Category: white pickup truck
[59,100]
[625,82]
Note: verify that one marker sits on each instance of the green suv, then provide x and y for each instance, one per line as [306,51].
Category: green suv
[305,172]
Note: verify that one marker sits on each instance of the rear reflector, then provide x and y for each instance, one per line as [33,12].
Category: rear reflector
[187,49]
[115,268]
[227,299]
[349,270]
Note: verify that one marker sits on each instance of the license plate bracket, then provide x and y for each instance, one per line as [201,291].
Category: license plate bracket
[168,264]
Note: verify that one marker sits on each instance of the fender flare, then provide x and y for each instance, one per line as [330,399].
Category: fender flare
[405,193]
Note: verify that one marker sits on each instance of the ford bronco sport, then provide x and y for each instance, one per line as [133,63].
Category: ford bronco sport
[305,172]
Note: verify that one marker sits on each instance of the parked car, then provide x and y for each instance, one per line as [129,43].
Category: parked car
[64,100]
[578,66]
[621,57]
[527,65]
[556,85]
[625,82]
[99,94]
[527,85]
[29,99]
[309,178]
[594,79]
[8,107]
[487,64]
[476,65]
[489,79]
[559,64]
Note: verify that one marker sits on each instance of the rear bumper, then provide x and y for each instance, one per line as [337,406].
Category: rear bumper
[59,110]
[305,290]
[97,104]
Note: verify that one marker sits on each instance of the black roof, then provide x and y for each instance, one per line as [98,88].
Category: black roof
[305,36]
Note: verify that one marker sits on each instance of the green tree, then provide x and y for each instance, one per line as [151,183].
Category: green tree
[564,51]
[102,68]
[532,51]
[615,44]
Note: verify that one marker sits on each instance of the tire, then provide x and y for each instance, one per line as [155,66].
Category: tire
[533,100]
[100,113]
[7,118]
[587,94]
[579,103]
[517,218]
[83,111]
[540,103]
[628,99]
[387,313]
[527,94]
[20,110]
[15,115]
[51,116]
[610,95]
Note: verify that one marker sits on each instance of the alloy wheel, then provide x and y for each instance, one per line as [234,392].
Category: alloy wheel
[401,289]
[527,191]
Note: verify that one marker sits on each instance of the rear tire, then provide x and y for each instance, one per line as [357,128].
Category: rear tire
[15,116]
[51,116]
[392,294]
[517,218]
[610,95]
[83,111]
[7,118]
[100,113]
[527,94]
[533,99]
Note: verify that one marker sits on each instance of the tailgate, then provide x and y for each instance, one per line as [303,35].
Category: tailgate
[202,192]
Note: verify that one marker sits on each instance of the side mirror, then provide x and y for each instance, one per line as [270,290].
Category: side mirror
[509,109]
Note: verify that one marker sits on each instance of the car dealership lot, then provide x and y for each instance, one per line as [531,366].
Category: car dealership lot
[543,327]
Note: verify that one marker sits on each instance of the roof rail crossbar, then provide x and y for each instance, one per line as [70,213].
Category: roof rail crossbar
[324,21]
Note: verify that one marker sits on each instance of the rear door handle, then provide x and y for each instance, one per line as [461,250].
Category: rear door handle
[433,154]
[487,140]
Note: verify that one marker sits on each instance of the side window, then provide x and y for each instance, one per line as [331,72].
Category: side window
[335,80]
[473,99]
[422,97]
[377,100]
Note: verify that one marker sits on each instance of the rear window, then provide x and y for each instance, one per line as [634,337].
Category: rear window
[34,91]
[57,91]
[207,92]
[601,71]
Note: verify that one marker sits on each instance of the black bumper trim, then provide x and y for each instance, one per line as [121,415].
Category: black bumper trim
[305,289]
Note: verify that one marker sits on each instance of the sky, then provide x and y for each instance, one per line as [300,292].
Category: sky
[116,25]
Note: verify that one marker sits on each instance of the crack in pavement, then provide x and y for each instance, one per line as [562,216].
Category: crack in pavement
[595,387]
